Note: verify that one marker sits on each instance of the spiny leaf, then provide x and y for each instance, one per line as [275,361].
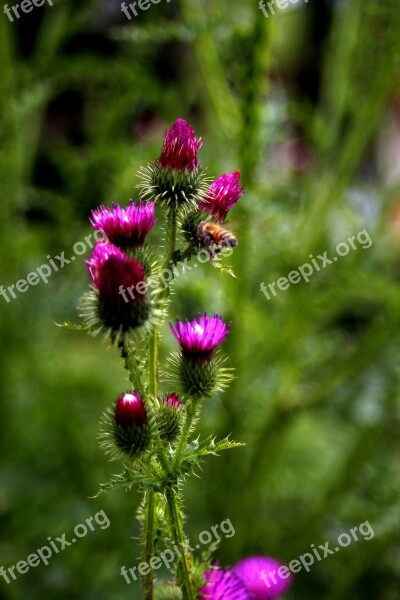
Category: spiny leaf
[197,449]
[223,268]
[125,480]
[72,326]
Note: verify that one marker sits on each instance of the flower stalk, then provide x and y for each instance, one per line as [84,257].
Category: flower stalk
[191,412]
[184,571]
[131,365]
[149,543]
[149,524]
[146,424]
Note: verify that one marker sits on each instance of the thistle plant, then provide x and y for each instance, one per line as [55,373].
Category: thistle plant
[151,426]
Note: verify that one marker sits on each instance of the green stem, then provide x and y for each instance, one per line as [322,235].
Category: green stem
[154,338]
[185,562]
[153,357]
[184,573]
[149,542]
[149,523]
[131,365]
[171,238]
[190,415]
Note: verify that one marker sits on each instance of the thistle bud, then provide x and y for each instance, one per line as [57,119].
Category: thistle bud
[176,180]
[198,340]
[169,416]
[131,428]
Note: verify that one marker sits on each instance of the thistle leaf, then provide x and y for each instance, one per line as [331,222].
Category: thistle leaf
[197,449]
[223,268]
[126,481]
[72,326]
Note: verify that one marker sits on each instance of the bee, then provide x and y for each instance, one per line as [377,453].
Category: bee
[215,237]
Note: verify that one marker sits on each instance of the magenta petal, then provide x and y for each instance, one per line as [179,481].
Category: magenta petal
[125,227]
[222,195]
[223,585]
[101,253]
[200,336]
[180,147]
[173,400]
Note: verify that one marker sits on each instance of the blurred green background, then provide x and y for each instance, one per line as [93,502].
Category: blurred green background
[306,103]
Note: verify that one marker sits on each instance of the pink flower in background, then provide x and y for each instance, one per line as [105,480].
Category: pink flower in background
[223,585]
[262,577]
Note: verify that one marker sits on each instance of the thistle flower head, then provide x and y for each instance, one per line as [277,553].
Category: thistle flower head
[173,400]
[125,227]
[222,194]
[223,585]
[131,428]
[120,304]
[101,253]
[176,180]
[180,148]
[260,574]
[198,369]
[199,338]
[118,274]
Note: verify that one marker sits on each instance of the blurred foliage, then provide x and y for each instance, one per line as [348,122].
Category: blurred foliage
[306,103]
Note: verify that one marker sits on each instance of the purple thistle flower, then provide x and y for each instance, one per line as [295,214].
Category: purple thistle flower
[130,410]
[121,303]
[173,400]
[180,148]
[199,338]
[223,585]
[222,194]
[117,274]
[125,227]
[261,576]
[101,253]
